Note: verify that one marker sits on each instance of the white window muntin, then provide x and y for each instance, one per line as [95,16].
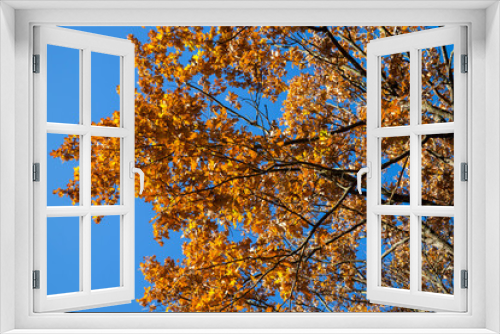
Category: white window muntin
[86,43]
[414,43]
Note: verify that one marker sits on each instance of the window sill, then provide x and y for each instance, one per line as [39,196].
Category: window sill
[251,331]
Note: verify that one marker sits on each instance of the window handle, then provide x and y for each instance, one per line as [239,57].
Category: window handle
[364,170]
[134,170]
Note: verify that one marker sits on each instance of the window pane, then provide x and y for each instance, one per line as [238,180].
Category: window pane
[395,251]
[437,254]
[105,90]
[63,84]
[63,255]
[105,258]
[437,84]
[63,170]
[438,170]
[395,170]
[395,89]
[105,170]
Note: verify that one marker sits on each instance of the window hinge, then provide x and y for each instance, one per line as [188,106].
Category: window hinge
[465,64]
[465,279]
[36,63]
[464,171]
[36,279]
[36,172]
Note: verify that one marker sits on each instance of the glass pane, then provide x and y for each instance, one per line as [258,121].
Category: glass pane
[437,84]
[437,254]
[105,258]
[105,170]
[63,255]
[395,251]
[105,103]
[395,89]
[438,170]
[395,170]
[63,171]
[63,84]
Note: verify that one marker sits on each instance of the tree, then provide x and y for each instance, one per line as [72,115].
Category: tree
[250,139]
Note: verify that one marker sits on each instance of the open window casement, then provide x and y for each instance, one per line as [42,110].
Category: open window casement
[416,233]
[90,144]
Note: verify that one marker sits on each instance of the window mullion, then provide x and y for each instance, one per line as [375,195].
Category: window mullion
[85,274]
[77,129]
[392,210]
[397,131]
[106,131]
[85,154]
[66,129]
[433,129]
[373,183]
[108,210]
[414,170]
[86,166]
[420,210]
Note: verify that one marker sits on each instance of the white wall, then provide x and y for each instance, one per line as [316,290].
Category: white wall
[486,112]
[7,159]
[492,163]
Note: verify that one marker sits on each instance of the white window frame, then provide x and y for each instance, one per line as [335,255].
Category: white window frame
[484,102]
[413,44]
[86,44]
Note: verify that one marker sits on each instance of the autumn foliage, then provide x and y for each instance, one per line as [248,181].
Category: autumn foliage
[250,139]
